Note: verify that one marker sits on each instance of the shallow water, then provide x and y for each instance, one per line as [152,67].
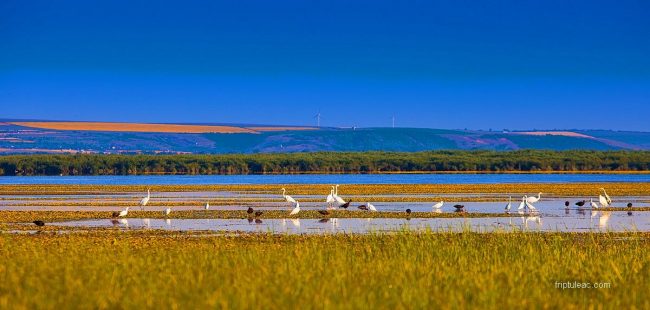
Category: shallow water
[596,221]
[328,179]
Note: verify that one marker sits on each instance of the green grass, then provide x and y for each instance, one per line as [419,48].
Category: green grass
[109,270]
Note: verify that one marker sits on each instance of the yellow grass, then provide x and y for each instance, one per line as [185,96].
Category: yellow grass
[134,127]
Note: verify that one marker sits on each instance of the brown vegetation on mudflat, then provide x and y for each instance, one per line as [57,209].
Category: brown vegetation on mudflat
[134,127]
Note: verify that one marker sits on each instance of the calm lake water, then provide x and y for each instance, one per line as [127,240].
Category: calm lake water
[329,179]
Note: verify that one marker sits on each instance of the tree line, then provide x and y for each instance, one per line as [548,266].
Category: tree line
[326,162]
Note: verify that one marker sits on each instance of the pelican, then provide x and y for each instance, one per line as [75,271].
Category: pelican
[593,204]
[522,204]
[371,207]
[207,206]
[167,211]
[533,199]
[296,209]
[603,201]
[509,205]
[438,205]
[145,200]
[124,212]
[609,200]
[286,197]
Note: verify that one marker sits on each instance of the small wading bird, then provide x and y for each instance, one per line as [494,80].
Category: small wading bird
[145,200]
[408,211]
[167,211]
[345,205]
[250,210]
[509,205]
[522,204]
[593,204]
[207,206]
[530,206]
[296,209]
[371,207]
[438,205]
[324,212]
[629,205]
[581,203]
[363,207]
[258,213]
[533,199]
[459,207]
[286,197]
[39,223]
[566,204]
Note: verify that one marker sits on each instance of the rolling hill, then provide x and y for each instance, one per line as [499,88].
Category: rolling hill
[33,136]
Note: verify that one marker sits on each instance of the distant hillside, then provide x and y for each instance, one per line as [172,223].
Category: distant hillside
[92,137]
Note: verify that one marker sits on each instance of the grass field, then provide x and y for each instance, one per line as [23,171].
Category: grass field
[110,270]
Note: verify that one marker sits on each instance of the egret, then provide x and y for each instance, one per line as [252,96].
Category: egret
[530,206]
[338,199]
[593,204]
[609,200]
[39,223]
[330,198]
[207,206]
[509,205]
[603,201]
[533,199]
[438,205]
[167,211]
[145,200]
[286,197]
[371,207]
[296,209]
[522,204]
[124,212]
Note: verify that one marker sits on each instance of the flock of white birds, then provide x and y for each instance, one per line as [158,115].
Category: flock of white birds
[335,201]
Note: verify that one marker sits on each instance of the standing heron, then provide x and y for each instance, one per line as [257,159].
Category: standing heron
[607,198]
[296,209]
[207,206]
[286,197]
[330,198]
[145,200]
[509,205]
[371,207]
[593,204]
[124,212]
[522,205]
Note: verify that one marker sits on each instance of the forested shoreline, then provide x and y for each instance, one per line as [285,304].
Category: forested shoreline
[327,162]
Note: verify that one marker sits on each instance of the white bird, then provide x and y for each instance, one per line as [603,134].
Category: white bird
[167,211]
[593,204]
[330,197]
[438,205]
[296,209]
[207,206]
[286,197]
[338,199]
[371,207]
[530,206]
[145,200]
[523,203]
[124,212]
[533,199]
[603,201]
[509,205]
[609,200]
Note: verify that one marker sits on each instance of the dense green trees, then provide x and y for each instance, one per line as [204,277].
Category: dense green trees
[326,162]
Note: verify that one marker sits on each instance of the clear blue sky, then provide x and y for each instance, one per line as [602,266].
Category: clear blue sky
[440,64]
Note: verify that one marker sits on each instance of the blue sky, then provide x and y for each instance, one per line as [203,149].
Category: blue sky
[438,64]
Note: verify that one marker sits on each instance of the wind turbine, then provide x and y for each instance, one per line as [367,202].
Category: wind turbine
[317,117]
